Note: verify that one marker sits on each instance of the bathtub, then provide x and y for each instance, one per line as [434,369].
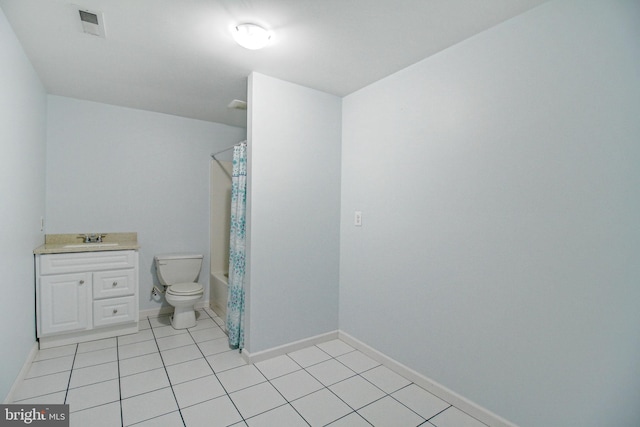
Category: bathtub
[219,292]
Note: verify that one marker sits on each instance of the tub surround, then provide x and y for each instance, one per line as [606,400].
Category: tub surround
[220,209]
[59,243]
[219,293]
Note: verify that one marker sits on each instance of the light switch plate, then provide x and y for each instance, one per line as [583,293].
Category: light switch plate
[357,219]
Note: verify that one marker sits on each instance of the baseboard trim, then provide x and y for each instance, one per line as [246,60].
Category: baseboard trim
[22,374]
[155,312]
[476,411]
[288,348]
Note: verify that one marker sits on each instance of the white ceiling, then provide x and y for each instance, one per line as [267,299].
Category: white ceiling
[178,56]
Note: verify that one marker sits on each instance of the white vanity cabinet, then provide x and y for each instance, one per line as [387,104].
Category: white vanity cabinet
[85,296]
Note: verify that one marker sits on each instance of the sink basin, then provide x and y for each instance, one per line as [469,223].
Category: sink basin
[90,245]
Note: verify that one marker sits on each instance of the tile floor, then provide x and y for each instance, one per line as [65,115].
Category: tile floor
[162,377]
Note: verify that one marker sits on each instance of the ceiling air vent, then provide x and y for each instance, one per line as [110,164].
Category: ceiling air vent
[92,22]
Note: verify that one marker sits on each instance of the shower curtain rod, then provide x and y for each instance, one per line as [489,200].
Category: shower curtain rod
[227,149]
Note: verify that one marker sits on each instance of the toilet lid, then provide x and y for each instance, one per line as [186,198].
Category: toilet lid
[185,289]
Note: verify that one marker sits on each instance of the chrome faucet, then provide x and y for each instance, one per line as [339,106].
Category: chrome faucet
[92,238]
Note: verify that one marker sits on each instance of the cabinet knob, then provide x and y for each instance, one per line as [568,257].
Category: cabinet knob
[82,282]
[115,283]
[115,310]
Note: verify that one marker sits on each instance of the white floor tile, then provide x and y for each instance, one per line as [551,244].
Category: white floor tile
[357,392]
[240,377]
[164,320]
[223,361]
[172,419]
[351,420]
[420,400]
[277,366]
[330,372]
[357,361]
[97,357]
[181,354]
[51,353]
[385,379]
[453,417]
[219,345]
[197,391]
[39,386]
[167,331]
[144,324]
[100,416]
[219,412]
[174,341]
[187,371]
[137,349]
[296,384]
[149,405]
[143,382]
[204,323]
[309,356]
[257,399]
[94,374]
[53,398]
[335,348]
[50,366]
[93,395]
[143,335]
[96,345]
[210,312]
[138,364]
[321,407]
[329,383]
[388,412]
[208,334]
[281,416]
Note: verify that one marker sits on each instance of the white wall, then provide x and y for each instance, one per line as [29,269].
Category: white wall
[294,212]
[22,195]
[500,188]
[115,169]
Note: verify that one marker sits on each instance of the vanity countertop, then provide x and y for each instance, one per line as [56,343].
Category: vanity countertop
[68,243]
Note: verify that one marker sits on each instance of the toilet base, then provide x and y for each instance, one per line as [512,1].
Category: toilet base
[183,318]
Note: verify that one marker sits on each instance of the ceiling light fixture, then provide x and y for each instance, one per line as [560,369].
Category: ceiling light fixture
[251,36]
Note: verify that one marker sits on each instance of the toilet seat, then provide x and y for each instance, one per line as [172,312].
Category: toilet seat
[185,289]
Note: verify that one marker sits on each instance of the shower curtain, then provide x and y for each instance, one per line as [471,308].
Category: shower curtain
[235,303]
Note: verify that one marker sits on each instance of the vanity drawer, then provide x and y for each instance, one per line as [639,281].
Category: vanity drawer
[113,283]
[87,261]
[112,311]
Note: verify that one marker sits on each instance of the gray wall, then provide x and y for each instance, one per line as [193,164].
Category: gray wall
[115,169]
[294,197]
[500,188]
[22,195]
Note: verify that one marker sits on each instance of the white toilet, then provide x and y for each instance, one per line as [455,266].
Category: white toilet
[179,272]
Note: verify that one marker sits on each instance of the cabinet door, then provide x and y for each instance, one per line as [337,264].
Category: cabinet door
[65,301]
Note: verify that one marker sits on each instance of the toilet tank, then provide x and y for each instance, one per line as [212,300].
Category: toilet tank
[178,267]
